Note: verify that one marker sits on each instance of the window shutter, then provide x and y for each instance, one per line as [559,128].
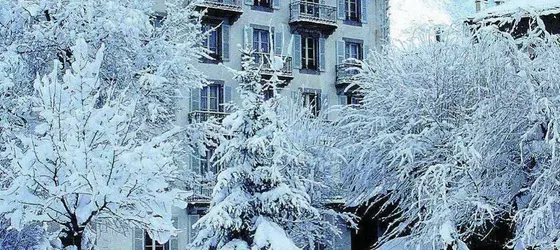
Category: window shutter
[195,100]
[322,57]
[297,51]
[342,100]
[365,52]
[195,162]
[138,239]
[324,102]
[249,2]
[364,4]
[225,41]
[278,42]
[174,241]
[276,4]
[227,97]
[341,9]
[296,96]
[192,232]
[248,36]
[340,52]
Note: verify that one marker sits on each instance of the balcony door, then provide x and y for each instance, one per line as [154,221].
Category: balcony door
[310,8]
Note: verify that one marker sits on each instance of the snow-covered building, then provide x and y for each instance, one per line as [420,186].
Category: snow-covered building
[314,36]
[517,16]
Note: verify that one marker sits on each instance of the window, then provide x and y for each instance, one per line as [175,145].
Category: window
[309,56]
[157,20]
[312,100]
[355,100]
[261,44]
[212,98]
[310,7]
[206,164]
[353,50]
[150,244]
[263,3]
[352,8]
[213,41]
[268,94]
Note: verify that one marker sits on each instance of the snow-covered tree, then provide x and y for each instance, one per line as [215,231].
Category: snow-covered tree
[30,238]
[153,44]
[256,199]
[456,137]
[87,160]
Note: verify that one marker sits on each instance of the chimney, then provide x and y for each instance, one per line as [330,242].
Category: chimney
[478,5]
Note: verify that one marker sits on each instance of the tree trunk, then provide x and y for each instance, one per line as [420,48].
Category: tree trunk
[72,239]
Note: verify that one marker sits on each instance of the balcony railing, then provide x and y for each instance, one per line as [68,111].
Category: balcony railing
[202,192]
[302,11]
[346,71]
[222,4]
[202,116]
[263,59]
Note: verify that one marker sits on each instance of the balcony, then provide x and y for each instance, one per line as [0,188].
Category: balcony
[202,192]
[345,74]
[313,16]
[202,116]
[230,9]
[285,72]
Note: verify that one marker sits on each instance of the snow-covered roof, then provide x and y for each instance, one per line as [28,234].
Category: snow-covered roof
[519,8]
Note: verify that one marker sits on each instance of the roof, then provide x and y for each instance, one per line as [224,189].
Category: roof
[519,8]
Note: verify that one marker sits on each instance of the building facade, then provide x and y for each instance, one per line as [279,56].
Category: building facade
[315,37]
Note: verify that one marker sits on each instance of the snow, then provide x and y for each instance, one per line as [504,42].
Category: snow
[520,7]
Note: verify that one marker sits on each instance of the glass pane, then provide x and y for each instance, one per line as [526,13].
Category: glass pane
[214,104]
[213,91]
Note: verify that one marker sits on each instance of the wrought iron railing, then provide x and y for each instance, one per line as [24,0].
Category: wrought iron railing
[308,11]
[202,116]
[346,71]
[202,192]
[223,4]
[263,59]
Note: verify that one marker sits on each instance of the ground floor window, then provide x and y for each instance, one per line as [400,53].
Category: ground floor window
[151,244]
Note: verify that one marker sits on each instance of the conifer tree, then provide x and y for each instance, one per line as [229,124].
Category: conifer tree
[255,202]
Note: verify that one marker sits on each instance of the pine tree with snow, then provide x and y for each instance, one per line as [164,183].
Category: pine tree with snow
[254,201]
[87,159]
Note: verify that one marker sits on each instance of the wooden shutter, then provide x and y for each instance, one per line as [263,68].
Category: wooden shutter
[322,57]
[297,51]
[278,42]
[138,239]
[340,49]
[341,9]
[342,100]
[364,5]
[174,241]
[247,36]
[225,41]
[324,102]
[195,162]
[195,99]
[227,97]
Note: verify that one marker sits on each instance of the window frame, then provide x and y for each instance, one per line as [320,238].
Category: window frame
[357,10]
[155,245]
[217,30]
[312,100]
[206,98]
[348,47]
[261,4]
[305,55]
